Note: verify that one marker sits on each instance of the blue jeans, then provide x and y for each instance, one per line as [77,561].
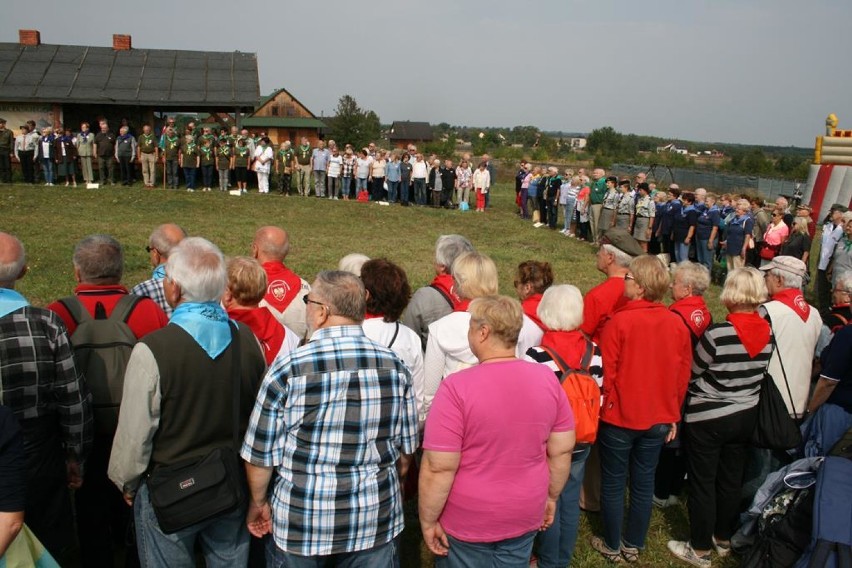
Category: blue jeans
[345,184]
[681,251]
[405,185]
[360,183]
[638,451]
[509,553]
[189,176]
[393,189]
[382,556]
[568,210]
[420,191]
[705,256]
[47,166]
[556,544]
[172,173]
[224,539]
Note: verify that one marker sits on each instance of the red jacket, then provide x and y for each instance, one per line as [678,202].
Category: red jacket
[269,332]
[146,317]
[599,303]
[647,356]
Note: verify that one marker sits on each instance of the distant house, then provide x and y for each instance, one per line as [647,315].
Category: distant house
[283,117]
[672,149]
[402,133]
[68,84]
[577,143]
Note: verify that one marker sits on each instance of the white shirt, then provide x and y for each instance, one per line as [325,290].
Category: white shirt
[263,165]
[419,169]
[830,238]
[335,165]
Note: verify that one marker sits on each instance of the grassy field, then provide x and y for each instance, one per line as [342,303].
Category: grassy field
[51,220]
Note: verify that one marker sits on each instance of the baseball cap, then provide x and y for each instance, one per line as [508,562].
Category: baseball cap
[787,264]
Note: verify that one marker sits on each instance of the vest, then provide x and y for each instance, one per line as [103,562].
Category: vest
[196,406]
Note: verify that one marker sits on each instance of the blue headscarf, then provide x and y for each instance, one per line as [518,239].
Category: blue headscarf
[11,301]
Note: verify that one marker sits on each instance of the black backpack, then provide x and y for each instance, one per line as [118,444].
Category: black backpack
[102,347]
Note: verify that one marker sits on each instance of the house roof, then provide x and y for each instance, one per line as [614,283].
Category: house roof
[282,122]
[406,130]
[150,77]
[277,92]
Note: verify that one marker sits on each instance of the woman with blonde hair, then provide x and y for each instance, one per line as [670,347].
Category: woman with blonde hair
[798,244]
[721,410]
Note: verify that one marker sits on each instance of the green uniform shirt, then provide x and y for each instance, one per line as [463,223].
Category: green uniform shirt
[303,154]
[285,157]
[189,153]
[172,147]
[223,157]
[598,190]
[208,157]
[241,159]
[147,143]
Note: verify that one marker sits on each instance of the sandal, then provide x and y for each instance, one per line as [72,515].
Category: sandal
[629,553]
[605,551]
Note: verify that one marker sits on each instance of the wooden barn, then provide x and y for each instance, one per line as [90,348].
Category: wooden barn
[68,84]
[402,133]
[282,117]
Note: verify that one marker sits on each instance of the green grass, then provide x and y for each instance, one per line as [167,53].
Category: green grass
[51,220]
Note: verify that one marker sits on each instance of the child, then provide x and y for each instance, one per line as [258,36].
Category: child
[242,155]
[224,163]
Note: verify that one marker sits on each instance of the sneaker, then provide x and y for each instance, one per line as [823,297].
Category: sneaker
[669,501]
[190,190]
[723,550]
[537,225]
[608,553]
[685,552]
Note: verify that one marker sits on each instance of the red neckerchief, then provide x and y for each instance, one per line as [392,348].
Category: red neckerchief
[268,331]
[369,316]
[444,283]
[694,312]
[793,299]
[530,307]
[283,285]
[462,306]
[570,345]
[752,330]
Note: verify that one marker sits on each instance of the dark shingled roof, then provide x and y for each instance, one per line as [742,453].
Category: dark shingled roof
[405,130]
[149,77]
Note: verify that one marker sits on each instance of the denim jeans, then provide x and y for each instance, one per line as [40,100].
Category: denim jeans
[382,556]
[360,183]
[681,251]
[172,173]
[509,553]
[47,167]
[393,191]
[419,191]
[568,210]
[224,539]
[636,451]
[705,256]
[319,183]
[189,176]
[405,186]
[556,544]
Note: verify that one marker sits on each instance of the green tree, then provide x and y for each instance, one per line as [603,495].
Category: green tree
[353,125]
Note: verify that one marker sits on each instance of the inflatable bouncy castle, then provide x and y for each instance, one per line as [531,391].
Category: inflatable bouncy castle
[830,176]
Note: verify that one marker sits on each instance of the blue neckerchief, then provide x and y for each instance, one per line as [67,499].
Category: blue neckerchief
[689,208]
[67,139]
[125,137]
[207,323]
[11,301]
[159,272]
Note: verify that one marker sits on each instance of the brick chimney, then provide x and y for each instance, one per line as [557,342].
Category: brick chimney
[121,42]
[29,37]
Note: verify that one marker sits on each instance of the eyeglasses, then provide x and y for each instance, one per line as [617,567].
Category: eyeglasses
[149,249]
[309,301]
[629,277]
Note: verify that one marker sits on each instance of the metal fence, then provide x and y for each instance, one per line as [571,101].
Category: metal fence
[713,181]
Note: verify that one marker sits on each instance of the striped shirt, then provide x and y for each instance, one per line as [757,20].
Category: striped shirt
[725,380]
[332,418]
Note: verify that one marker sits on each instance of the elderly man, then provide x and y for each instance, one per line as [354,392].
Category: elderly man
[596,198]
[171,152]
[832,233]
[148,153]
[50,399]
[285,160]
[303,158]
[98,266]
[432,302]
[319,168]
[160,244]
[336,423]
[7,147]
[125,153]
[285,289]
[188,392]
[105,152]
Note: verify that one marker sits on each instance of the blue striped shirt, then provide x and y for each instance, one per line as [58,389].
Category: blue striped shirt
[332,418]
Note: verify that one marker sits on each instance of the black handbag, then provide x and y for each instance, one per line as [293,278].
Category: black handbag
[188,493]
[774,428]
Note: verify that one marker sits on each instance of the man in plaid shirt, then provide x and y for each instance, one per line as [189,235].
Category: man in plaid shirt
[336,422]
[50,399]
[160,244]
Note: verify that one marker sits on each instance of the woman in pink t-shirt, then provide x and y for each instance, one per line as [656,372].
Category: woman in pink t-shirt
[497,448]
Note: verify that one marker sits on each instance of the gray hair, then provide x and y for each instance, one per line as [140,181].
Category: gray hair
[788,279]
[561,308]
[9,271]
[693,274]
[844,282]
[343,292]
[353,263]
[163,239]
[621,258]
[100,260]
[449,247]
[198,267]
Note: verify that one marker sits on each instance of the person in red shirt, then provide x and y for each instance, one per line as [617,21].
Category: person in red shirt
[284,289]
[246,288]
[531,281]
[98,268]
[643,393]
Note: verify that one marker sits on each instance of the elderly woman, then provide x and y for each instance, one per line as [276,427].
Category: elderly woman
[388,292]
[738,235]
[798,244]
[707,231]
[643,392]
[774,236]
[246,288]
[531,281]
[497,448]
[720,415]
[561,311]
[447,348]
[841,261]
[481,184]
[353,263]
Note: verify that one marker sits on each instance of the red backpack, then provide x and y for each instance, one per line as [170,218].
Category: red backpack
[583,393]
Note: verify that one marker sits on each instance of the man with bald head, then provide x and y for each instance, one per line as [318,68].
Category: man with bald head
[285,288]
[160,244]
[41,385]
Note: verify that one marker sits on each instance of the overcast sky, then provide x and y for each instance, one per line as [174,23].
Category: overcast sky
[750,71]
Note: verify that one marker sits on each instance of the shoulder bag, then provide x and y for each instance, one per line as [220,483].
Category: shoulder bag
[774,428]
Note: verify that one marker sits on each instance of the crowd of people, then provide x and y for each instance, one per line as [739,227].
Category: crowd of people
[227,405]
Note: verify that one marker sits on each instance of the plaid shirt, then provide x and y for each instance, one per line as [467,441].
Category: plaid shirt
[153,288]
[332,418]
[38,378]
